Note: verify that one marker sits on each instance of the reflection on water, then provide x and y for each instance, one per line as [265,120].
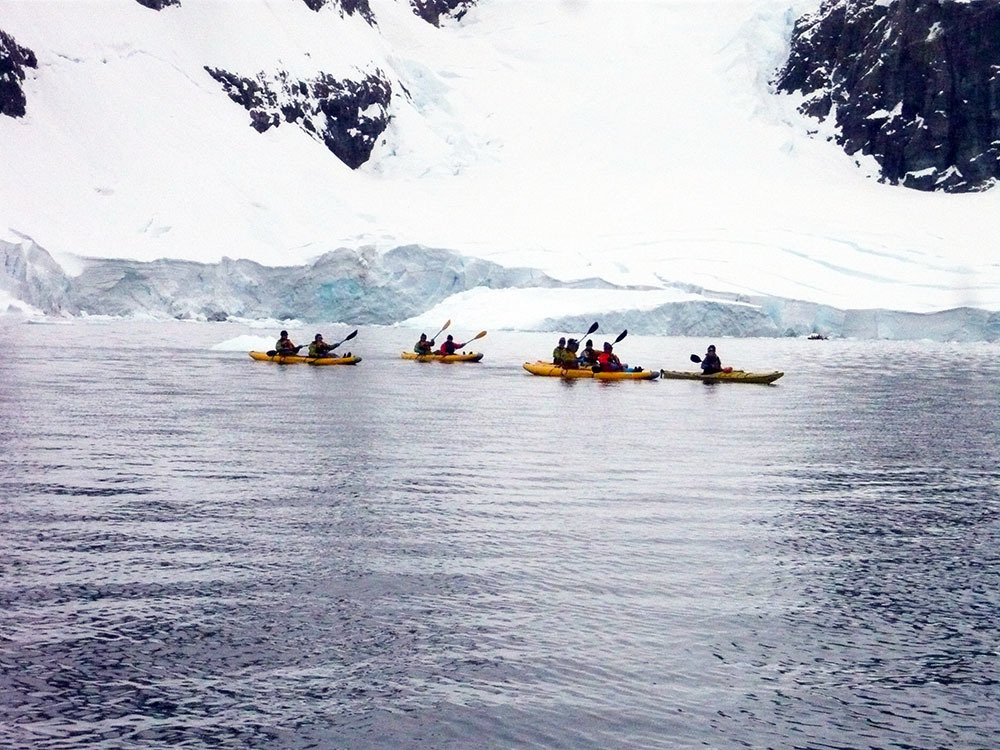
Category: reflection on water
[200,550]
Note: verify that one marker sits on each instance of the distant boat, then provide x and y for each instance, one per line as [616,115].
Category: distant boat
[816,337]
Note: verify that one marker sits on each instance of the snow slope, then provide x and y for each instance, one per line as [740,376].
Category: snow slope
[632,140]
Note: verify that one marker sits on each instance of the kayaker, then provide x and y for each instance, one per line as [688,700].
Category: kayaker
[285,345]
[424,346]
[559,353]
[318,347]
[569,359]
[588,356]
[710,363]
[608,360]
[449,346]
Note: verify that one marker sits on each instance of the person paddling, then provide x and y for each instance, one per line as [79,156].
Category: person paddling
[588,357]
[449,346]
[710,363]
[559,353]
[285,345]
[319,348]
[424,346]
[569,358]
[607,360]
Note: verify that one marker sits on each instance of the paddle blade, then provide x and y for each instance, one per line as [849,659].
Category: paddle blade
[593,328]
[478,336]
[695,358]
[270,352]
[448,323]
[621,335]
[351,335]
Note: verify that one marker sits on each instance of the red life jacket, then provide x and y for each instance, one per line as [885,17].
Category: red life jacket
[608,362]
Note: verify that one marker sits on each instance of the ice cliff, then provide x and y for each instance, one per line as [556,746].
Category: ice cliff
[368,287]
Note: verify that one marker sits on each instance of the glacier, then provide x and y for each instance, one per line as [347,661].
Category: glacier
[416,286]
[553,151]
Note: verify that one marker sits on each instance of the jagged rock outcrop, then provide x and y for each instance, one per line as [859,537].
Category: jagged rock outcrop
[346,116]
[13,60]
[432,10]
[158,4]
[350,7]
[913,83]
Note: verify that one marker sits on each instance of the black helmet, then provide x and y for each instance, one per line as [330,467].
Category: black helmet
[284,333]
[711,347]
[319,337]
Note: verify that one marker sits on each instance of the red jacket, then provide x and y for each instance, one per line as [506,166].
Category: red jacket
[609,362]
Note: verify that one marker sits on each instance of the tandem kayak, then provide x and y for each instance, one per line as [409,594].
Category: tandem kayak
[734,376]
[548,369]
[296,359]
[467,357]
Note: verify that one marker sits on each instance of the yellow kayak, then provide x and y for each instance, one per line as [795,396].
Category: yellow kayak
[548,369]
[734,376]
[467,357]
[296,359]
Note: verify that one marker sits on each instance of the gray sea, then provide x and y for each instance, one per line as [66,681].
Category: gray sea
[200,550]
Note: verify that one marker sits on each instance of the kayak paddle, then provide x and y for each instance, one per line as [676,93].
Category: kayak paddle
[274,352]
[448,323]
[477,336]
[350,336]
[590,330]
[695,358]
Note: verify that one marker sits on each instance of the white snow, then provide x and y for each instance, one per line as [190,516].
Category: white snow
[246,343]
[12,306]
[526,309]
[633,140]
[884,114]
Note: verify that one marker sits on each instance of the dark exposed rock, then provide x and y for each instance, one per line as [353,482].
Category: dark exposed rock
[13,60]
[158,4]
[350,7]
[913,83]
[432,10]
[346,116]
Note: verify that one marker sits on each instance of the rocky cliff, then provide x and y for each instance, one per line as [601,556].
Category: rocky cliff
[433,10]
[13,60]
[347,116]
[913,83]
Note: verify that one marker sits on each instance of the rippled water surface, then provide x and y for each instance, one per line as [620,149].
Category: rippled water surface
[200,550]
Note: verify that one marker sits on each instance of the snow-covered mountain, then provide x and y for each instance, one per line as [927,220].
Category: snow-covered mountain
[371,159]
[913,84]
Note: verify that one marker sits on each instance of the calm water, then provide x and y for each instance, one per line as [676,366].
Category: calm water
[199,550]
